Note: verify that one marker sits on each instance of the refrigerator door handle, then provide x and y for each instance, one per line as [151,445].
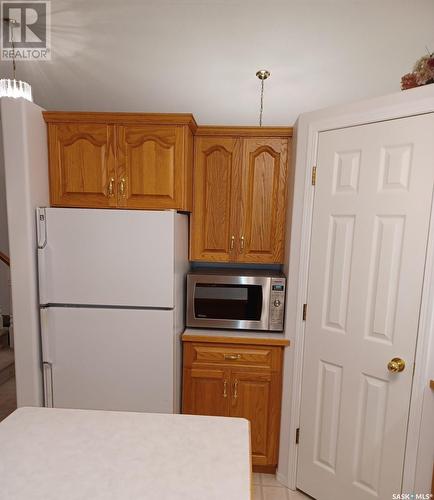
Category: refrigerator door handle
[48,384]
[41,225]
[44,315]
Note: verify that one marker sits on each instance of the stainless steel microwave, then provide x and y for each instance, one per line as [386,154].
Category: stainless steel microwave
[236,299]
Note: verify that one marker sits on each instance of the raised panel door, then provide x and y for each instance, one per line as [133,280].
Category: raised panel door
[82,165]
[216,190]
[263,208]
[150,166]
[206,391]
[253,398]
[370,226]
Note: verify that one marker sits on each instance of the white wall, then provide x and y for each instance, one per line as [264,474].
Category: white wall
[26,167]
[5,296]
[201,56]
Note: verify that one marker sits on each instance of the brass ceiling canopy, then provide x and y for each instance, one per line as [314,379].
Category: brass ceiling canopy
[263,74]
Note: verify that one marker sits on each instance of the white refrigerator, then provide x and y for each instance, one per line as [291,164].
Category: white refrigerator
[111,290]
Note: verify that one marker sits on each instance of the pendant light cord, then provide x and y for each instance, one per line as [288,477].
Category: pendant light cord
[14,64]
[262,74]
[262,103]
[9,21]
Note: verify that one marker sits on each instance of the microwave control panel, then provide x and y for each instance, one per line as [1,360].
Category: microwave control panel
[277,303]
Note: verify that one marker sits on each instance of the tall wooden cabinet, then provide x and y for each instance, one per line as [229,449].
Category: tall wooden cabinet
[240,194]
[122,160]
[237,377]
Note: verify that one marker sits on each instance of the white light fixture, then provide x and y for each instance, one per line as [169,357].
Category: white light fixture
[13,87]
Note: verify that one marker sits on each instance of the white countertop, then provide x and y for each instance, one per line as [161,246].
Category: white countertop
[254,334]
[54,454]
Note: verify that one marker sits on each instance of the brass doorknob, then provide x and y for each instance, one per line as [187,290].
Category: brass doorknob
[396,365]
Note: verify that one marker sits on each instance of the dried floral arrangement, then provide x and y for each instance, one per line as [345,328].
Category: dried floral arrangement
[422,74]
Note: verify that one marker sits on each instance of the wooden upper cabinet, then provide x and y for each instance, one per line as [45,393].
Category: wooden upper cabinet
[82,164]
[265,174]
[214,221]
[240,195]
[151,166]
[122,160]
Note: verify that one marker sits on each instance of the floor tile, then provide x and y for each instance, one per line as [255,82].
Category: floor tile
[274,493]
[256,478]
[257,492]
[270,480]
[297,495]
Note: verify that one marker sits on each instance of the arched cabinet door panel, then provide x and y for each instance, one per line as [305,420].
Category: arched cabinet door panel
[264,200]
[150,161]
[214,220]
[82,165]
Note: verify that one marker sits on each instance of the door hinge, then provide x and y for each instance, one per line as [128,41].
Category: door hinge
[297,436]
[313,176]
[304,311]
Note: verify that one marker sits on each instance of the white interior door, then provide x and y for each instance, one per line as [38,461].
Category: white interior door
[109,359]
[370,229]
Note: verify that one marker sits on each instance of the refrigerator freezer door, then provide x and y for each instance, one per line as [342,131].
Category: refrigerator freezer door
[109,359]
[106,257]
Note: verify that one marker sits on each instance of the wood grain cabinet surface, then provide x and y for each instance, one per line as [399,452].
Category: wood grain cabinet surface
[237,380]
[120,160]
[240,195]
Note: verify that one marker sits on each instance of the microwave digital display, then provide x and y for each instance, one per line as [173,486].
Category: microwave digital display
[278,288]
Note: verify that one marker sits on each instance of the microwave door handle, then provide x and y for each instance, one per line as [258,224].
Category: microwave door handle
[266,302]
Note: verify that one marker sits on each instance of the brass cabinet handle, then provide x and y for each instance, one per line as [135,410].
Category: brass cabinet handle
[225,388]
[235,389]
[110,190]
[232,242]
[396,365]
[242,242]
[122,187]
[232,357]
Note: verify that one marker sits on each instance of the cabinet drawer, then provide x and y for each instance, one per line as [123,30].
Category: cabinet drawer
[232,355]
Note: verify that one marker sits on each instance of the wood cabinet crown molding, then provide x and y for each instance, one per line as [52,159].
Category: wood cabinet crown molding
[216,130]
[121,118]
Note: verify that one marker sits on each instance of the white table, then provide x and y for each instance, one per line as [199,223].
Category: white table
[48,453]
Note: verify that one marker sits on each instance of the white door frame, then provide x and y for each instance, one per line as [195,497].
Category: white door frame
[400,105]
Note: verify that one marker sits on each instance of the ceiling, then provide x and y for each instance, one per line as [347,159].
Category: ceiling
[201,56]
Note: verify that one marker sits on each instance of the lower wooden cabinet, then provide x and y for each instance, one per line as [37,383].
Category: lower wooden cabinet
[235,378]
[207,392]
